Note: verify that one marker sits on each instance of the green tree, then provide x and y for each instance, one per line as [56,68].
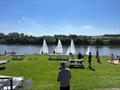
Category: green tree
[99,42]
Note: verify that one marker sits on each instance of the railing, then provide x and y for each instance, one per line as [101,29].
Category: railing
[4,81]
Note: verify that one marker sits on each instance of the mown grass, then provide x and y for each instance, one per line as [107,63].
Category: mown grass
[43,73]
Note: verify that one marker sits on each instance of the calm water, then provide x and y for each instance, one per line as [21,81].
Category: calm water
[34,49]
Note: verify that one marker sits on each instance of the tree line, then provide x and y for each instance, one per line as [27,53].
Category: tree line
[21,38]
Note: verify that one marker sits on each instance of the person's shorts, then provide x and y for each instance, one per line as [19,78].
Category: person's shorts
[89,61]
[65,88]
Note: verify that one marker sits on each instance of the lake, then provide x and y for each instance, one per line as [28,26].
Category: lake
[34,49]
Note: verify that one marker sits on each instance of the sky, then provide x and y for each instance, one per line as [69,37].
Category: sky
[53,17]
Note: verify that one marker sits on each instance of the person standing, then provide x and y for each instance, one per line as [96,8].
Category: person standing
[97,56]
[90,59]
[64,76]
[112,58]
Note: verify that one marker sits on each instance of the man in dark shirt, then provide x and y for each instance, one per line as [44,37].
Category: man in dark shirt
[97,56]
[80,56]
[89,59]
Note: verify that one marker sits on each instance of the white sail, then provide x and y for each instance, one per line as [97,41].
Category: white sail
[41,49]
[71,48]
[67,53]
[88,50]
[44,48]
[59,48]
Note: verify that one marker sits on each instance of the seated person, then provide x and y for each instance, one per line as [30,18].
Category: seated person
[71,58]
[112,58]
[80,56]
[54,52]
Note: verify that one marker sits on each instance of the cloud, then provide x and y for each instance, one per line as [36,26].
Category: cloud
[25,18]
[22,17]
[86,27]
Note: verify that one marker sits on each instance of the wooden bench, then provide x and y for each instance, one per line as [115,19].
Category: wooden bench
[3,62]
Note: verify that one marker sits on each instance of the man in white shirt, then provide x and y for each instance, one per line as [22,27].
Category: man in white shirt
[64,77]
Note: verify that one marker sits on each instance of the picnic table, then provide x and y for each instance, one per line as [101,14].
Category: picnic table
[76,62]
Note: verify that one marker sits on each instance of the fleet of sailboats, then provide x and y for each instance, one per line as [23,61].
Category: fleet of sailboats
[59,48]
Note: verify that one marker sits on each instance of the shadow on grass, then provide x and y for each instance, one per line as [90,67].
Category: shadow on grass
[91,68]
[2,68]
[76,67]
[99,62]
[58,59]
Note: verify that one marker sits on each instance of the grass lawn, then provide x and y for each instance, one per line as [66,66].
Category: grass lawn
[43,73]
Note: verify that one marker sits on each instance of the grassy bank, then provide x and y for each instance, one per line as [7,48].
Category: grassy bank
[43,73]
